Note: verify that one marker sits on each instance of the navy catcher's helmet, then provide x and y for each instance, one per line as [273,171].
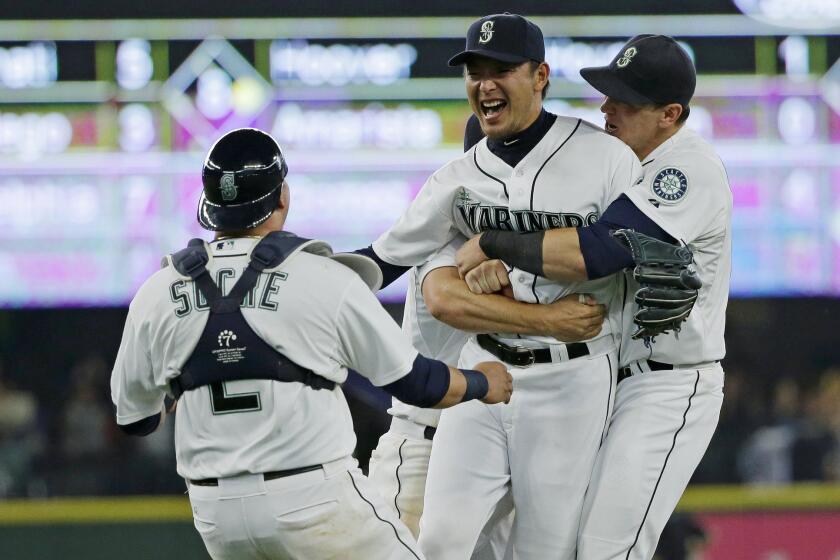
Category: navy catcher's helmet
[242,176]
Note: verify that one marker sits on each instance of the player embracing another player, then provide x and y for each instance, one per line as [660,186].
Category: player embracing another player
[670,385]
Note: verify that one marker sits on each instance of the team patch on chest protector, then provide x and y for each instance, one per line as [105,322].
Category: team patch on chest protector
[670,185]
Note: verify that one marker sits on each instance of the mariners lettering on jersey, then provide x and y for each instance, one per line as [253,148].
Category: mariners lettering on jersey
[670,185]
[482,217]
[189,298]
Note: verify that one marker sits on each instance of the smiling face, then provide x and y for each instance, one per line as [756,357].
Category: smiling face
[506,98]
[643,128]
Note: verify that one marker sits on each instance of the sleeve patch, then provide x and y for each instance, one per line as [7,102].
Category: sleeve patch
[669,186]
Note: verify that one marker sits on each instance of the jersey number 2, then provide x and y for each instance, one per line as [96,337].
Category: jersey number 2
[225,403]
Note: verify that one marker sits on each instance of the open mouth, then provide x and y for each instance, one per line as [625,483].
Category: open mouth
[610,128]
[492,108]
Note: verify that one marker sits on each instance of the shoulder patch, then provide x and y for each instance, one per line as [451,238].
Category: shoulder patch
[669,185]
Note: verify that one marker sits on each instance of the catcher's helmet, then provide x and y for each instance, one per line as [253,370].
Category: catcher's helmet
[242,176]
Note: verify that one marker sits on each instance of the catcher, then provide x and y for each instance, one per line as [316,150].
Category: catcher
[670,382]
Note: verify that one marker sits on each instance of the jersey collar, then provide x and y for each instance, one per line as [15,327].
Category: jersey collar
[668,144]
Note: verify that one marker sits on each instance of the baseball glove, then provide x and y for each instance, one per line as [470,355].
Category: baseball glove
[669,283]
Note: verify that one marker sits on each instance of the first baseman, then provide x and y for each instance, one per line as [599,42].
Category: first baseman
[253,332]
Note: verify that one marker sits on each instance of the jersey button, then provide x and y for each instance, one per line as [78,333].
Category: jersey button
[520,172]
[523,280]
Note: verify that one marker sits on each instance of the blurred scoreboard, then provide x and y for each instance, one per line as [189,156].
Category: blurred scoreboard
[104,125]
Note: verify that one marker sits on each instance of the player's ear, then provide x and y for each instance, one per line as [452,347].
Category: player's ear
[670,114]
[284,196]
[541,74]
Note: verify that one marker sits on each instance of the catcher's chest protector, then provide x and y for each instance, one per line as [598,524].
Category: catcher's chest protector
[229,349]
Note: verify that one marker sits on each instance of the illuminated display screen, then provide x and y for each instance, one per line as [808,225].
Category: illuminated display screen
[102,137]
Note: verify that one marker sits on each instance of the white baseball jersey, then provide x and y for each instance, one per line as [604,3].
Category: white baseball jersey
[686,191]
[568,179]
[430,337]
[317,312]
[663,421]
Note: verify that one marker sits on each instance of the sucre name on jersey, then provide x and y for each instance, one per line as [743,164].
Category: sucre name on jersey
[187,297]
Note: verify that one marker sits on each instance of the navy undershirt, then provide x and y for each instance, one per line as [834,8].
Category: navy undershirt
[514,148]
[390,272]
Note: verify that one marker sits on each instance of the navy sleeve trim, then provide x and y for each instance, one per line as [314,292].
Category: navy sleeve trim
[390,272]
[602,253]
[142,427]
[424,386]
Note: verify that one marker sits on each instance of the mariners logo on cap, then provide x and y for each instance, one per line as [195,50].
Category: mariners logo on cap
[670,185]
[626,57]
[228,187]
[486,32]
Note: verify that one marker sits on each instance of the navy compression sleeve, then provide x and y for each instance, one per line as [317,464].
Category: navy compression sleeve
[602,253]
[390,272]
[423,386]
[428,381]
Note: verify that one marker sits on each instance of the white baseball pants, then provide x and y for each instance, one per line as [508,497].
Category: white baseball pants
[398,468]
[541,447]
[661,426]
[331,513]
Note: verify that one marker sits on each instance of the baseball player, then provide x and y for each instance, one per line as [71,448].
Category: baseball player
[670,388]
[252,333]
[535,171]
[399,464]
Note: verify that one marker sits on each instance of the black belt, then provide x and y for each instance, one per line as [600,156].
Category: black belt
[627,371]
[519,356]
[429,433]
[266,476]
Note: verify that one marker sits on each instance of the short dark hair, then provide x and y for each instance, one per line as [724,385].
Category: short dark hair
[534,65]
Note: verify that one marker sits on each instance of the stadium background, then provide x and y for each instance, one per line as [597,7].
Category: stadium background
[104,120]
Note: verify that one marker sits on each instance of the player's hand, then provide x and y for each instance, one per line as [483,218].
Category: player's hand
[576,317]
[488,277]
[499,381]
[469,256]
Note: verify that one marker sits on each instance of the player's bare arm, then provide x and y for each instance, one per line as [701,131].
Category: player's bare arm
[451,301]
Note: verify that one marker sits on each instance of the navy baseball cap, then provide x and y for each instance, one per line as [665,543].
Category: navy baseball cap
[649,70]
[506,37]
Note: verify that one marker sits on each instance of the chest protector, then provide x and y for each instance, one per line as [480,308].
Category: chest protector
[229,349]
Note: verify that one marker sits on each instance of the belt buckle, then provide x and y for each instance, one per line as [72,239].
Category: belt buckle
[532,358]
